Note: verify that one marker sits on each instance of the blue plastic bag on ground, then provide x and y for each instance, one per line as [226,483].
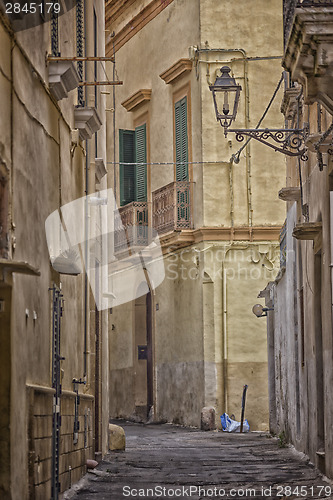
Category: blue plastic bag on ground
[230,425]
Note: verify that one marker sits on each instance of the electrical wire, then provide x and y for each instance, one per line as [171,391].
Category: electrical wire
[156,163]
[235,157]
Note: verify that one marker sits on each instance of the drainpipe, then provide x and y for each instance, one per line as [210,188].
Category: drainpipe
[86,220]
[331,241]
[224,340]
[231,186]
[86,228]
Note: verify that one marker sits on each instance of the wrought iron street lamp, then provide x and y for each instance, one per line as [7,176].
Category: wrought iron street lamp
[226,93]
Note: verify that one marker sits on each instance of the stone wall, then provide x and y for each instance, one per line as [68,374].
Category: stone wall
[73,457]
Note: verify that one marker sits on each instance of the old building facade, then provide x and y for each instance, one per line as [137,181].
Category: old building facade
[54,343]
[300,326]
[193,342]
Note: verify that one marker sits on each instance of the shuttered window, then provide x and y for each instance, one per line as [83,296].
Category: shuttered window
[141,167]
[133,178]
[126,172]
[181,140]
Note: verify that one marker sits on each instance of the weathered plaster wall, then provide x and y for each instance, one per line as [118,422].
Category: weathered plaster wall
[286,338]
[207,342]
[179,341]
[252,47]
[303,328]
[139,63]
[36,148]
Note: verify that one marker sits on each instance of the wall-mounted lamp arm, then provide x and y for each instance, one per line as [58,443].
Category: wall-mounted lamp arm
[287,141]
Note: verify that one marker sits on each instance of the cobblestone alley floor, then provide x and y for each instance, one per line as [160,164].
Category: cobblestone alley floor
[164,461]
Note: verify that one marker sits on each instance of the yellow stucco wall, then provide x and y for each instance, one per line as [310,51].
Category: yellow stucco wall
[207,342]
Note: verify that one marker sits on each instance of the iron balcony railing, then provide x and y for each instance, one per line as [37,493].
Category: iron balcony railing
[173,207]
[131,226]
[289,8]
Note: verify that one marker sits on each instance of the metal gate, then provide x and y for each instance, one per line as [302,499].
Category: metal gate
[57,305]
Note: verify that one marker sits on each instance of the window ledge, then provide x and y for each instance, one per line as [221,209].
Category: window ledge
[140,97]
[177,70]
[8,267]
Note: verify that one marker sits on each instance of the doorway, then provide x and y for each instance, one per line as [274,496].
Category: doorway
[143,357]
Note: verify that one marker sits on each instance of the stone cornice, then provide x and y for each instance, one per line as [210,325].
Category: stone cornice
[307,230]
[133,25]
[140,97]
[115,8]
[290,193]
[309,54]
[187,237]
[180,68]
[310,231]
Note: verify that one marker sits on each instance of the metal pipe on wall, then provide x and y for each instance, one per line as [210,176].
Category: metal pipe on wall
[245,60]
[85,353]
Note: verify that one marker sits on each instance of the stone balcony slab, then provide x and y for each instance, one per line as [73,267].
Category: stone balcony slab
[309,53]
[87,121]
[63,78]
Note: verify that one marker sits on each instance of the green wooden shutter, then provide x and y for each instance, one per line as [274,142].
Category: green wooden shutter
[141,160]
[181,140]
[126,172]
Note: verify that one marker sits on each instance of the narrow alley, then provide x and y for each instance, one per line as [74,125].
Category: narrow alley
[165,461]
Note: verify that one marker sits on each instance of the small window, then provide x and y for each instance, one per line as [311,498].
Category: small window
[133,165]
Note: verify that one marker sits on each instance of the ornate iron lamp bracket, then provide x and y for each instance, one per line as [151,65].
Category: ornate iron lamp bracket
[290,142]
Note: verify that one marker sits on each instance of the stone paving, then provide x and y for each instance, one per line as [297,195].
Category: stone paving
[165,461]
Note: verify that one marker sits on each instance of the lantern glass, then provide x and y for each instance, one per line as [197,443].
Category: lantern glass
[226,94]
[225,103]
